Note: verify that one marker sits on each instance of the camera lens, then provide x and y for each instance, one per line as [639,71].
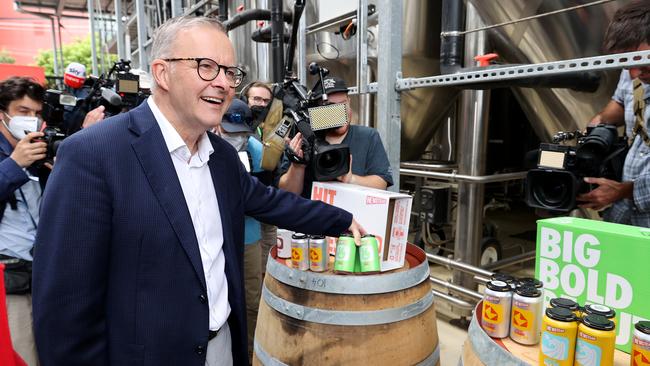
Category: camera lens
[330,160]
[554,190]
[551,193]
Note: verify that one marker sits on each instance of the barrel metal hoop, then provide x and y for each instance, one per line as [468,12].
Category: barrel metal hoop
[432,359]
[265,358]
[351,285]
[485,349]
[338,317]
[268,360]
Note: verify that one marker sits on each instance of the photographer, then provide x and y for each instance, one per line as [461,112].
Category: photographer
[21,102]
[369,164]
[628,31]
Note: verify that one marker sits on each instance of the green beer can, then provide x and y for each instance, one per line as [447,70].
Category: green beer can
[346,253]
[369,254]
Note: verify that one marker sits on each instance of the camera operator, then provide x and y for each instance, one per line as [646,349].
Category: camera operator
[369,165]
[628,31]
[74,79]
[21,102]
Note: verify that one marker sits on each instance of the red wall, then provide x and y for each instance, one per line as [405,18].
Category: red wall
[23,35]
[9,70]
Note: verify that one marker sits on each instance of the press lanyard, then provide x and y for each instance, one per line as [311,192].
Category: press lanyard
[27,206]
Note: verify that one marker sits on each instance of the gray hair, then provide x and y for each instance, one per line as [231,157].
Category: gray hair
[164,36]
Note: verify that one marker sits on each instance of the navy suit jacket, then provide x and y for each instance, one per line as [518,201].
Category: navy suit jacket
[118,278]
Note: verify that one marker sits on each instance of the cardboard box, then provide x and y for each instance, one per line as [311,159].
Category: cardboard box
[596,262]
[384,214]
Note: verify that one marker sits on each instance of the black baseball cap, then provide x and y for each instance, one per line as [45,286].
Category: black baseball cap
[238,118]
[333,84]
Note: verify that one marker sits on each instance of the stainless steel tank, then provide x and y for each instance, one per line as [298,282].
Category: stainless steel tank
[423,110]
[574,34]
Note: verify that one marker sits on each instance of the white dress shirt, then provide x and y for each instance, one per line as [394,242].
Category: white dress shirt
[195,179]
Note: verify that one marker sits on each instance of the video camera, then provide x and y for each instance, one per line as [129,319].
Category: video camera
[327,161]
[558,178]
[53,109]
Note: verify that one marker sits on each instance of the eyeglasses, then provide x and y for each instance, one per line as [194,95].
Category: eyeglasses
[208,70]
[258,99]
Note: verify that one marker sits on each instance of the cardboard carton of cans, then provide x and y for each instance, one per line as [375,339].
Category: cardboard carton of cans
[385,214]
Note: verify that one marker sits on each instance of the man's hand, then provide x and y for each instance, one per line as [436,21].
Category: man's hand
[93,117]
[295,144]
[28,151]
[357,230]
[349,177]
[607,192]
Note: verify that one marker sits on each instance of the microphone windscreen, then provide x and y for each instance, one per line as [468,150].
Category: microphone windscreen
[111,97]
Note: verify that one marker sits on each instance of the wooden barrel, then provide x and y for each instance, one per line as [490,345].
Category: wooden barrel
[481,350]
[310,318]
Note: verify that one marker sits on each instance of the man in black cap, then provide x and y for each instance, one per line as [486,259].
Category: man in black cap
[369,165]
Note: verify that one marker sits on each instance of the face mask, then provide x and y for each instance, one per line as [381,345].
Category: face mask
[259,114]
[19,124]
[239,142]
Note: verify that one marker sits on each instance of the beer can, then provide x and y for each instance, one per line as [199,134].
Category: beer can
[526,319]
[497,302]
[603,310]
[504,277]
[640,344]
[560,302]
[299,251]
[559,330]
[346,254]
[369,254]
[318,257]
[530,282]
[283,243]
[596,341]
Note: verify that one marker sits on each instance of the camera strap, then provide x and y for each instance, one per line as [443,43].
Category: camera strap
[639,111]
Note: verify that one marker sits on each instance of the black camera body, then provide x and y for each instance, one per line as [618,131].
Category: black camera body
[52,113]
[561,169]
[327,161]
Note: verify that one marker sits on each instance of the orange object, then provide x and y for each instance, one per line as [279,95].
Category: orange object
[484,60]
[8,357]
[9,70]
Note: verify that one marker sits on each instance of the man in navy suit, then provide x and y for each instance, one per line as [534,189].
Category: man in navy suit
[139,252]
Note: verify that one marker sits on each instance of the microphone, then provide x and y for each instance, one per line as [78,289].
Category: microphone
[315,69]
[111,97]
[74,75]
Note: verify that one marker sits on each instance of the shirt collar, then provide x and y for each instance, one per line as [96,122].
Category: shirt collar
[173,139]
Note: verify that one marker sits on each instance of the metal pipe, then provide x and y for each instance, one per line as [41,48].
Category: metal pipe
[177,8]
[520,258]
[93,49]
[277,41]
[362,46]
[455,177]
[223,10]
[55,53]
[481,279]
[121,50]
[473,124]
[454,264]
[451,42]
[456,302]
[142,34]
[301,55]
[427,166]
[456,288]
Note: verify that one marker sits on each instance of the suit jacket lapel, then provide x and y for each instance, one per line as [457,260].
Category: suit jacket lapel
[218,166]
[151,150]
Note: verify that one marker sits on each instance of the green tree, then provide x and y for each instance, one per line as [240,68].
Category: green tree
[5,57]
[77,51]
